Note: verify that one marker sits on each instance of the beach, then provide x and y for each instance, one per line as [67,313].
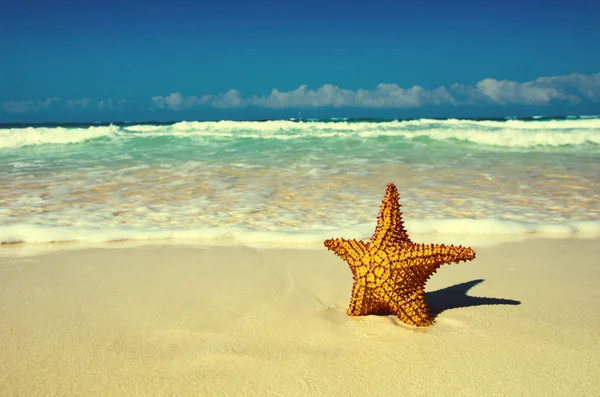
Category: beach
[122,319]
[187,258]
[299,199]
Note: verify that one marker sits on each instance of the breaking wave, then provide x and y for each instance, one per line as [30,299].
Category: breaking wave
[489,133]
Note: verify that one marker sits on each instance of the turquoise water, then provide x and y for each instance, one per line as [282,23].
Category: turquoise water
[282,181]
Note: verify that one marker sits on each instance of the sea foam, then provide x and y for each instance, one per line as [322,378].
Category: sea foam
[19,137]
[508,134]
[484,231]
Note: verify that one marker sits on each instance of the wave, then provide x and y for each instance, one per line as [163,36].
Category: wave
[488,231]
[490,133]
[19,137]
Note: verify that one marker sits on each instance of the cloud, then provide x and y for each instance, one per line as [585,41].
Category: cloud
[105,104]
[28,106]
[572,88]
[176,101]
[78,103]
[230,99]
[578,85]
[384,96]
[109,103]
[510,92]
[32,106]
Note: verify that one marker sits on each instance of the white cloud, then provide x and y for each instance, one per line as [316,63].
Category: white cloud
[28,106]
[578,85]
[230,99]
[572,88]
[78,103]
[510,92]
[110,104]
[176,101]
[384,96]
[75,104]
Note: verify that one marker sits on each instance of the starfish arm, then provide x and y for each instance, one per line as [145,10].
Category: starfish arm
[408,304]
[352,251]
[358,299]
[390,227]
[366,301]
[407,301]
[456,253]
[349,250]
[430,257]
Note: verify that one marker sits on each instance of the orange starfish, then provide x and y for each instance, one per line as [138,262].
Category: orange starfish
[390,271]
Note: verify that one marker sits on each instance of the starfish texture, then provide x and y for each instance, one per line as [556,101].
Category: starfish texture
[390,271]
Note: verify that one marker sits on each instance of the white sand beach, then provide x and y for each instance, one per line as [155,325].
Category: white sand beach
[162,320]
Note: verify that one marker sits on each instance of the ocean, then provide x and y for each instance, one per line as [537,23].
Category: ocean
[283,182]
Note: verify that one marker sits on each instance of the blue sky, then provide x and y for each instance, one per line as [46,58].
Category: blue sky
[147,60]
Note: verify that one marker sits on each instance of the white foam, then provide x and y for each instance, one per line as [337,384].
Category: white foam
[143,128]
[495,227]
[510,133]
[428,230]
[18,137]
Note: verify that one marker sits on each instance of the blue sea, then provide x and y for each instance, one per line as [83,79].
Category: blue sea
[297,182]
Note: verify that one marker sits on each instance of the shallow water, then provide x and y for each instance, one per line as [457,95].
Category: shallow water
[282,178]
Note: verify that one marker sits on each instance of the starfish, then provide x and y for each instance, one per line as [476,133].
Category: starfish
[390,271]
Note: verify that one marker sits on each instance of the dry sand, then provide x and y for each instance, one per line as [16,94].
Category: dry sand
[183,321]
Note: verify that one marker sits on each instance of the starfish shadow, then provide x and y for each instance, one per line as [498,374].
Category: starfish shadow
[455,296]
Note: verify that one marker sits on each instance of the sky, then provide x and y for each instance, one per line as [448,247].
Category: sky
[109,60]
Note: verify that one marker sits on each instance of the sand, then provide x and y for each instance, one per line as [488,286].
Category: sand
[162,320]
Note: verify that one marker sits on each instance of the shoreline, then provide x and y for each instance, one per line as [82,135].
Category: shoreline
[9,249]
[163,319]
